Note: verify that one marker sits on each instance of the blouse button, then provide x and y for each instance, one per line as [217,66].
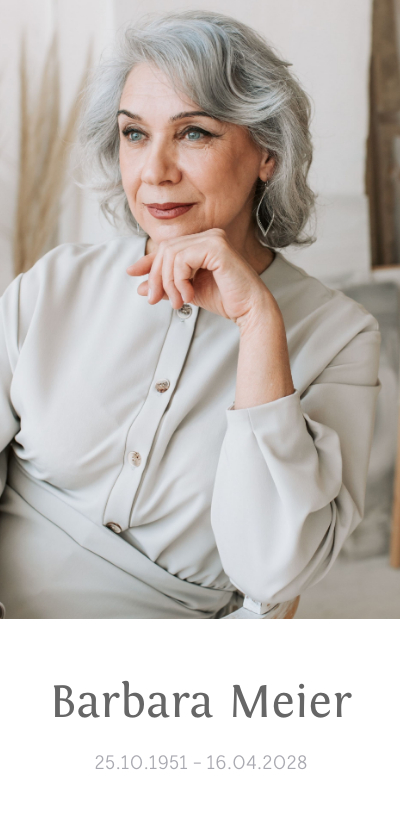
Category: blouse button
[135,459]
[162,385]
[185,311]
[113,526]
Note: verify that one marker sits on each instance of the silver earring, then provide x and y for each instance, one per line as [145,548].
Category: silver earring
[138,228]
[264,231]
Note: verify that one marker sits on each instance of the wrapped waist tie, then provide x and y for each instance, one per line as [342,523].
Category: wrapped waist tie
[147,590]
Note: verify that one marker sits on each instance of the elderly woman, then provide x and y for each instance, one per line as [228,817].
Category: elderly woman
[187,416]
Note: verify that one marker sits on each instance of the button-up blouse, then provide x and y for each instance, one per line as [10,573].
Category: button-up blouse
[125,413]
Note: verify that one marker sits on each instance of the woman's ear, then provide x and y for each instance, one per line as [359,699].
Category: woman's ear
[267,167]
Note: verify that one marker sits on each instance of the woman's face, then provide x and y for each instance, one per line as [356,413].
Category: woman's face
[182,170]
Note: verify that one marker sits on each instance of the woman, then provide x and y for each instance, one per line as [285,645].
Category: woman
[179,440]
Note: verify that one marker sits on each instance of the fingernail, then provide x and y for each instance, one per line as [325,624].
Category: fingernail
[150,295]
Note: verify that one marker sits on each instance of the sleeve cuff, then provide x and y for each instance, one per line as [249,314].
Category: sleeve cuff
[270,416]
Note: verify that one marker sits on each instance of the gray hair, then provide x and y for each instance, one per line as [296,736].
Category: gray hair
[228,70]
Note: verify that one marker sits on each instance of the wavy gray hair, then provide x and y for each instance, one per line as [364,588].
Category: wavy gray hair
[228,70]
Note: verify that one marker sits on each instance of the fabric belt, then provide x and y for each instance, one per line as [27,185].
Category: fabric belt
[110,547]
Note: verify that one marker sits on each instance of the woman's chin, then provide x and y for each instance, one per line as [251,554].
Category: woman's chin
[172,228]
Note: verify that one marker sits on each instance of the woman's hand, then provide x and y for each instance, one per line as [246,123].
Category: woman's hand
[203,269]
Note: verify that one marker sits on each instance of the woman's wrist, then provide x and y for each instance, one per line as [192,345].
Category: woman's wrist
[263,373]
[261,312]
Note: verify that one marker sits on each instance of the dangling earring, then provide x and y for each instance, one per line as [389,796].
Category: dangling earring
[264,231]
[138,228]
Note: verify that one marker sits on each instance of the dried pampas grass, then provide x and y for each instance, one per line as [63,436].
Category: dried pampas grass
[43,160]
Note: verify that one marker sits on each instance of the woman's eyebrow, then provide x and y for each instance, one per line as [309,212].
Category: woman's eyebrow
[179,116]
[129,114]
[184,114]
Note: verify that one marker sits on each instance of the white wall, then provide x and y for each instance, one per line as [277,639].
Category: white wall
[328,45]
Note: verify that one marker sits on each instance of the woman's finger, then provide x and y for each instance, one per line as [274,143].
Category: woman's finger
[153,286]
[183,274]
[143,288]
[141,266]
[177,272]
[173,294]
[167,267]
[155,290]
[168,278]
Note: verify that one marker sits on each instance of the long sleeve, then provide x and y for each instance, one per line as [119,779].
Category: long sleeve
[290,483]
[9,421]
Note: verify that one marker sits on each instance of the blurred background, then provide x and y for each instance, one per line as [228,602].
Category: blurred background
[347,57]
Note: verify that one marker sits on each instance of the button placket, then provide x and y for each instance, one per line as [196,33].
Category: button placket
[144,428]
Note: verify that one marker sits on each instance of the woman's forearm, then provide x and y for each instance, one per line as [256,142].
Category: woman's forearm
[263,372]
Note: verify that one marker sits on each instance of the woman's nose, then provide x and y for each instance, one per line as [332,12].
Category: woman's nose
[160,164]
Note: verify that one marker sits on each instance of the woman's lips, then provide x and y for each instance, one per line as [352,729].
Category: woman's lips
[169,210]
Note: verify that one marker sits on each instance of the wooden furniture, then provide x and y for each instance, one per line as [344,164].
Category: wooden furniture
[382,174]
[379,532]
[387,274]
[253,609]
[395,534]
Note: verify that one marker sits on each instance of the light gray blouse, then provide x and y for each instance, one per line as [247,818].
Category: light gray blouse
[122,413]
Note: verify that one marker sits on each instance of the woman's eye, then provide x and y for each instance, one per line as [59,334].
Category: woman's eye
[195,134]
[133,135]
